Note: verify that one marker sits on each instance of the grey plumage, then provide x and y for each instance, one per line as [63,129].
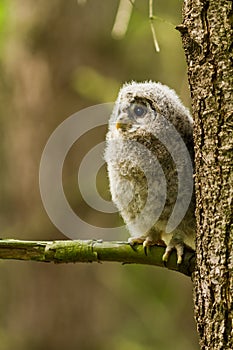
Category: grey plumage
[149,156]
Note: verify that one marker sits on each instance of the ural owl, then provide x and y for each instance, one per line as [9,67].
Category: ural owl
[149,156]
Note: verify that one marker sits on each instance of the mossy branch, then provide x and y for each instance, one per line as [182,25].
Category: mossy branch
[92,251]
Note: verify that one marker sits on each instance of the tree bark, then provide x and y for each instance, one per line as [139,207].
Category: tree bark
[207,39]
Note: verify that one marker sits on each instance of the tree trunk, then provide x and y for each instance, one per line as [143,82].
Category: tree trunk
[207,39]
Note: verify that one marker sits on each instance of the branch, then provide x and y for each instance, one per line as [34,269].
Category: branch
[92,251]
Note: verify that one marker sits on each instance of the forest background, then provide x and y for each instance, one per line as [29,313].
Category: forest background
[57,58]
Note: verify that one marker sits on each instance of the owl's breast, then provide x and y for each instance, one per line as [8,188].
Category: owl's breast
[142,177]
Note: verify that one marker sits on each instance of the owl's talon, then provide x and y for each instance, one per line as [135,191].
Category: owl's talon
[179,259]
[132,245]
[165,257]
[145,248]
[179,247]
[148,242]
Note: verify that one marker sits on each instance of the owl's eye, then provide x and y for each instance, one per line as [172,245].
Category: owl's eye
[139,110]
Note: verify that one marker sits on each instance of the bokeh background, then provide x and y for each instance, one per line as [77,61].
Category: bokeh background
[56,58]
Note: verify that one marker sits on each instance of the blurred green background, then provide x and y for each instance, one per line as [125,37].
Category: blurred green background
[57,57]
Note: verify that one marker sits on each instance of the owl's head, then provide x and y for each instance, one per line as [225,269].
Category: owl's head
[149,106]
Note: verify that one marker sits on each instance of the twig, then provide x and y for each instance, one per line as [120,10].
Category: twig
[151,19]
[122,19]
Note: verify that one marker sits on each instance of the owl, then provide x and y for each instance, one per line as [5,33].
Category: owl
[149,155]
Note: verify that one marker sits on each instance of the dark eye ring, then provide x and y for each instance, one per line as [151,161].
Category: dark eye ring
[139,110]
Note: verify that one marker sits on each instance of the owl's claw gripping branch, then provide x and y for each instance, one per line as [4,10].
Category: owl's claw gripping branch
[178,245]
[148,242]
[140,240]
[132,241]
[168,251]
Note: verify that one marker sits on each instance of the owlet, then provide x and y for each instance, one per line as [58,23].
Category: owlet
[149,157]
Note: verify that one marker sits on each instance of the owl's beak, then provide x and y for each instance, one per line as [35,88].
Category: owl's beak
[123,122]
[122,126]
